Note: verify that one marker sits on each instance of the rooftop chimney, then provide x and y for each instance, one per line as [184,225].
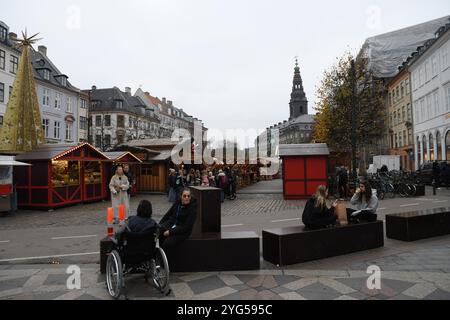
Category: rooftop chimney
[12,36]
[164,100]
[128,90]
[169,103]
[94,87]
[42,50]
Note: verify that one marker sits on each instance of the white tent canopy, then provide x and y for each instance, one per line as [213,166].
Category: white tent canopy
[11,161]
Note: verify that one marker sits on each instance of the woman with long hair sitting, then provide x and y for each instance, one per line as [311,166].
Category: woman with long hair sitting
[316,214]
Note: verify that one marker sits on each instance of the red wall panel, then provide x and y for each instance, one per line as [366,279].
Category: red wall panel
[294,168]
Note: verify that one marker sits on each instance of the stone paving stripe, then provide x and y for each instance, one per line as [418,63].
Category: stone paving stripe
[35,281]
[197,276]
[5,241]
[255,272]
[74,237]
[336,285]
[21,273]
[285,220]
[344,297]
[230,280]
[215,294]
[409,205]
[420,290]
[292,296]
[433,276]
[72,295]
[440,201]
[49,257]
[182,291]
[299,284]
[232,225]
[11,292]
[317,273]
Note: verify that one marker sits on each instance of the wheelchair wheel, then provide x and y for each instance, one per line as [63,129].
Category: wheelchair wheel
[114,275]
[161,272]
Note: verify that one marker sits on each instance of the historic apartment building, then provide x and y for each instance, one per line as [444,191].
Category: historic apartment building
[401,120]
[430,77]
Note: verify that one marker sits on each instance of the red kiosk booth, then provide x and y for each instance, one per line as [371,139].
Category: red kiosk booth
[61,175]
[305,167]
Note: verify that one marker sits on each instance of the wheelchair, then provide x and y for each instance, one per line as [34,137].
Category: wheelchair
[135,253]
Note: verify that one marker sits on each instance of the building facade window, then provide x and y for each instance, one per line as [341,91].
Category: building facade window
[447,144]
[46,127]
[83,104]
[69,130]
[14,64]
[107,120]
[83,123]
[419,153]
[69,104]
[46,74]
[98,141]
[107,140]
[2,92]
[46,97]
[2,60]
[119,104]
[438,146]
[58,99]
[1,121]
[121,121]
[431,147]
[57,130]
[10,91]
[3,34]
[405,141]
[425,149]
[98,121]
[64,81]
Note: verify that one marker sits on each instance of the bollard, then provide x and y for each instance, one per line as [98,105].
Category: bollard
[121,214]
[434,187]
[110,220]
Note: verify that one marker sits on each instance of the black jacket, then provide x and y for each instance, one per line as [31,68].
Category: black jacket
[137,224]
[184,222]
[317,217]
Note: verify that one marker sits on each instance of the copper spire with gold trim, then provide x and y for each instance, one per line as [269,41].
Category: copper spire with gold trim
[22,127]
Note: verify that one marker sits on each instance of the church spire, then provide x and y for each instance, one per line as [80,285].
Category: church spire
[299,103]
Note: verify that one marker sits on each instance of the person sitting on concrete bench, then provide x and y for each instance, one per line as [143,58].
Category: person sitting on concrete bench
[366,201]
[316,214]
[177,224]
[142,222]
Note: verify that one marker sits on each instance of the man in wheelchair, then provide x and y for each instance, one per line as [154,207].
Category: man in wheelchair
[136,250]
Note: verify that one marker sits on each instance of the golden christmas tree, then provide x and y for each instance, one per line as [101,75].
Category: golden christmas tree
[22,127]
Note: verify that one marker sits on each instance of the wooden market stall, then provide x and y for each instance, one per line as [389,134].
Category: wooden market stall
[61,175]
[304,169]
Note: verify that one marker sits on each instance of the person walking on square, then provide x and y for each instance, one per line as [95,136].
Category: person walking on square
[316,214]
[119,186]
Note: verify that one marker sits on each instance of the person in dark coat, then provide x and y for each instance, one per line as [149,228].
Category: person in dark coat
[316,214]
[142,222]
[177,224]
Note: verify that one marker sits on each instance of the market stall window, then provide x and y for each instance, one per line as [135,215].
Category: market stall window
[93,172]
[65,173]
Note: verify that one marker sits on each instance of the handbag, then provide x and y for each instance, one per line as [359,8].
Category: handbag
[341,212]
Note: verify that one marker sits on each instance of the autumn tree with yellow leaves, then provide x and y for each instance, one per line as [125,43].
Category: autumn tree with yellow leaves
[338,94]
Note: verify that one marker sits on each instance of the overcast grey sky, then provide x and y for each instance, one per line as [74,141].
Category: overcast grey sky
[229,63]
